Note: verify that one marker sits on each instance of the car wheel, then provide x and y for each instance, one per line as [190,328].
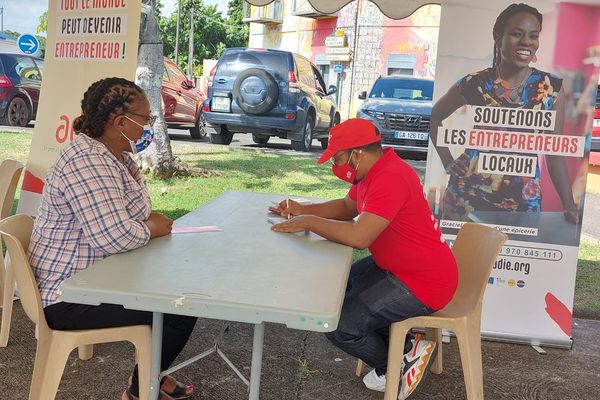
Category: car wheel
[260,139]
[306,143]
[223,138]
[255,91]
[324,143]
[17,113]
[334,122]
[199,129]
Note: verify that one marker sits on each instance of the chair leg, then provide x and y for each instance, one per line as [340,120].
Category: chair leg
[50,360]
[436,334]
[469,343]
[395,361]
[360,368]
[85,352]
[8,291]
[143,356]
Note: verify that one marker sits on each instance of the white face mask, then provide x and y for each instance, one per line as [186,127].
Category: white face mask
[142,143]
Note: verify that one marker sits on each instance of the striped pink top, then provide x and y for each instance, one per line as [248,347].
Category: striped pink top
[92,206]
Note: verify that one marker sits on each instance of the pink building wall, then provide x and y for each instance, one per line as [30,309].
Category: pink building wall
[581,22]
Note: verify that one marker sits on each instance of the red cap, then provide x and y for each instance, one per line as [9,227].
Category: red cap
[355,132]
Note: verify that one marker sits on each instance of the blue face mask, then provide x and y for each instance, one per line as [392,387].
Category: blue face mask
[142,143]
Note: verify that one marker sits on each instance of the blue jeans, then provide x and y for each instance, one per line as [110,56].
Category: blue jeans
[374,300]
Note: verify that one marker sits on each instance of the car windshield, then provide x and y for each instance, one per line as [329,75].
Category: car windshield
[404,89]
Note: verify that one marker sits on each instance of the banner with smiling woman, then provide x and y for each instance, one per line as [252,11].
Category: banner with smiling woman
[509,147]
[87,40]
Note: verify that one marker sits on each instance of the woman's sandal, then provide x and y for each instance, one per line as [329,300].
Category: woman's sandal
[128,396]
[181,391]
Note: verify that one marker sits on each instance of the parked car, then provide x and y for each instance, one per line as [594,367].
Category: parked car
[400,107]
[182,102]
[20,81]
[269,93]
[596,127]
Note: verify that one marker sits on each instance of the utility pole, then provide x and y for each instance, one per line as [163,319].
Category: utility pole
[177,33]
[1,19]
[354,55]
[191,49]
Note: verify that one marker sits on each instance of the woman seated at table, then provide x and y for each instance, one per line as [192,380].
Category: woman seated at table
[95,204]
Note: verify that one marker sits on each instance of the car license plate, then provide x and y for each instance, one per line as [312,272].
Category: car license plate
[220,104]
[411,135]
[596,123]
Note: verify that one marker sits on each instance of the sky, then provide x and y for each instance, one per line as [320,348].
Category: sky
[23,15]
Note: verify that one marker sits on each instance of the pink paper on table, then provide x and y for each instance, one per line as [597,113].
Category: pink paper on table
[195,229]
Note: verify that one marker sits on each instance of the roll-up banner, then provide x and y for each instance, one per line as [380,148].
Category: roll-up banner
[87,40]
[510,135]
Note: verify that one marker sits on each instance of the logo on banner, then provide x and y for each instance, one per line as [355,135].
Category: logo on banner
[491,280]
[520,283]
[512,283]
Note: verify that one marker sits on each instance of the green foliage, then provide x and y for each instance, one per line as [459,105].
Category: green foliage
[43,25]
[11,33]
[212,32]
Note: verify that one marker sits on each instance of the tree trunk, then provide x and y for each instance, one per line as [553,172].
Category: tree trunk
[158,158]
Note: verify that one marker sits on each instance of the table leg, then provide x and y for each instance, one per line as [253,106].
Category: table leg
[157,333]
[256,366]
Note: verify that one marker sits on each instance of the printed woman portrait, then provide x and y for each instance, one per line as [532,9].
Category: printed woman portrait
[511,82]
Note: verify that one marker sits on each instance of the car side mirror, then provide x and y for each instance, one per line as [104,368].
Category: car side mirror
[332,89]
[362,95]
[188,84]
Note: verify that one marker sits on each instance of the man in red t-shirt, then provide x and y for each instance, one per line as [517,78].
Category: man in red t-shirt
[411,270]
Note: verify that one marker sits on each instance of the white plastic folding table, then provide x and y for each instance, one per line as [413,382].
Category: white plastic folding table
[244,273]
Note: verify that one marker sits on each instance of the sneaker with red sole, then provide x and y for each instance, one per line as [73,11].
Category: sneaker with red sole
[417,363]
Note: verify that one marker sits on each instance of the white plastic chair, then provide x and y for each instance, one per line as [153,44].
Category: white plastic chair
[10,172]
[54,347]
[476,248]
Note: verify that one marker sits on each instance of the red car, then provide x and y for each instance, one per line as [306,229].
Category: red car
[596,128]
[182,102]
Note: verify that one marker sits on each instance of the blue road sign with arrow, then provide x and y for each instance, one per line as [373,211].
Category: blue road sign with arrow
[28,44]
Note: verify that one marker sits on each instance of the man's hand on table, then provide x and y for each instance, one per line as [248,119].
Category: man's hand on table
[287,208]
[300,223]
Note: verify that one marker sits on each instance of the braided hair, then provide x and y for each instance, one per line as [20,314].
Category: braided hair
[103,98]
[503,18]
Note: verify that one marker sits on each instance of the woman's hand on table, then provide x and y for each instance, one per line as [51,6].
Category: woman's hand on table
[159,225]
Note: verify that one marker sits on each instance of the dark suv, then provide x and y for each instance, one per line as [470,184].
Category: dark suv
[20,82]
[401,108]
[268,93]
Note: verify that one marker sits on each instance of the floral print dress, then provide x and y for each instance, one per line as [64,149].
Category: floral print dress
[494,192]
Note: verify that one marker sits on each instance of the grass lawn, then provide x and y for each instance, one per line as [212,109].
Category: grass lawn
[272,173]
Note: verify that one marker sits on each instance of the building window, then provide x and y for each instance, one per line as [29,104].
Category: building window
[267,14]
[401,64]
